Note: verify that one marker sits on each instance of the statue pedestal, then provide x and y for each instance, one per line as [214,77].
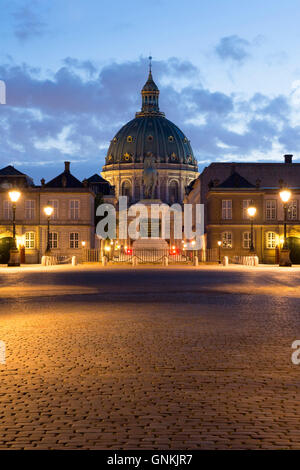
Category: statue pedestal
[284,259]
[150,243]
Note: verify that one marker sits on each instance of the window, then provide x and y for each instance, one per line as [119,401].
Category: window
[271,240]
[54,204]
[126,189]
[74,209]
[227,209]
[74,240]
[293,210]
[270,209]
[227,240]
[7,212]
[246,204]
[173,192]
[29,240]
[246,240]
[53,239]
[29,209]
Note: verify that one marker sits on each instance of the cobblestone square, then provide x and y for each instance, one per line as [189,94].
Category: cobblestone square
[149,358]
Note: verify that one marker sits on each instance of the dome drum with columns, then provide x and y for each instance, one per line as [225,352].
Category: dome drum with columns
[150,133]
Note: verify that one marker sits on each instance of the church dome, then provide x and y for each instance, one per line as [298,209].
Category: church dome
[150,132]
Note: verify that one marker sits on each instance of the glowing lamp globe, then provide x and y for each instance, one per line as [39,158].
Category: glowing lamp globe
[219,243]
[48,211]
[285,196]
[14,196]
[251,211]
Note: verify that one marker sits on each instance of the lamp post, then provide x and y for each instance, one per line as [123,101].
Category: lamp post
[252,212]
[14,259]
[48,211]
[219,246]
[285,196]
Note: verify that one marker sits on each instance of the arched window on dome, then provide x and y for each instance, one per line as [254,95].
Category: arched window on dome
[126,189]
[173,192]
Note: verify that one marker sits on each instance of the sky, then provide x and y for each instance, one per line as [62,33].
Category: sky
[228,73]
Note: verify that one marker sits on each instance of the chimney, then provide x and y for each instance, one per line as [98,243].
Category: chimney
[288,158]
[43,181]
[67,167]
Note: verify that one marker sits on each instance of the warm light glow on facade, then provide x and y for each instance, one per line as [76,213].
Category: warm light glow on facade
[48,211]
[14,195]
[285,195]
[219,243]
[83,244]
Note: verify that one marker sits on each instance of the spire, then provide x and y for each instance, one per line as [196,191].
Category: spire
[150,95]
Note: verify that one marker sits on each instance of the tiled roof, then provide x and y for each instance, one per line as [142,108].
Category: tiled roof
[64,180]
[235,180]
[10,171]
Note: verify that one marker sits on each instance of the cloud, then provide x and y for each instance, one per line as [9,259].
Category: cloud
[27,22]
[233,48]
[77,109]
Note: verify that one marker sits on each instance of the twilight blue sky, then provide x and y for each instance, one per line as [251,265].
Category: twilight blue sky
[228,71]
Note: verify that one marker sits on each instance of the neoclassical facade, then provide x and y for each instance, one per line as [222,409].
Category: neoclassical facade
[150,133]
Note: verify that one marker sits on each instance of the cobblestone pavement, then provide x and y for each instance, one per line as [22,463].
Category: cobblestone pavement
[161,358]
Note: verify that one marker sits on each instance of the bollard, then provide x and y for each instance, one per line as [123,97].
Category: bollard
[44,260]
[196,261]
[225,261]
[256,261]
[134,261]
[104,260]
[74,261]
[165,261]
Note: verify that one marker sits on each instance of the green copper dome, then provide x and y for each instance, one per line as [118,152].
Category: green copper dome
[151,132]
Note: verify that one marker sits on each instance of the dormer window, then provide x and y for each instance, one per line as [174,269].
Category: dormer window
[129,138]
[171,138]
[150,138]
[115,140]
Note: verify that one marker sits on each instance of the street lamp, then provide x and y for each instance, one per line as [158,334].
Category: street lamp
[48,211]
[251,212]
[14,259]
[219,245]
[285,196]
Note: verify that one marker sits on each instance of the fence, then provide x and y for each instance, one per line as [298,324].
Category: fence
[145,255]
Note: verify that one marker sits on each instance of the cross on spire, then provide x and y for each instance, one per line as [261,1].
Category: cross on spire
[150,63]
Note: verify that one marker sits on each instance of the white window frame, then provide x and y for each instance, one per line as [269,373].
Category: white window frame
[226,236]
[29,209]
[226,209]
[246,241]
[7,210]
[54,203]
[246,204]
[292,213]
[53,240]
[74,209]
[271,238]
[271,209]
[30,240]
[74,240]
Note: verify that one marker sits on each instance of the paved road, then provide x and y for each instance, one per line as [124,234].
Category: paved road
[163,358]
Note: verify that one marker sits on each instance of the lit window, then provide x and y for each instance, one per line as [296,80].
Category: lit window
[74,240]
[271,240]
[54,204]
[226,209]
[29,240]
[246,240]
[74,209]
[227,240]
[293,210]
[53,239]
[7,206]
[271,207]
[29,209]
